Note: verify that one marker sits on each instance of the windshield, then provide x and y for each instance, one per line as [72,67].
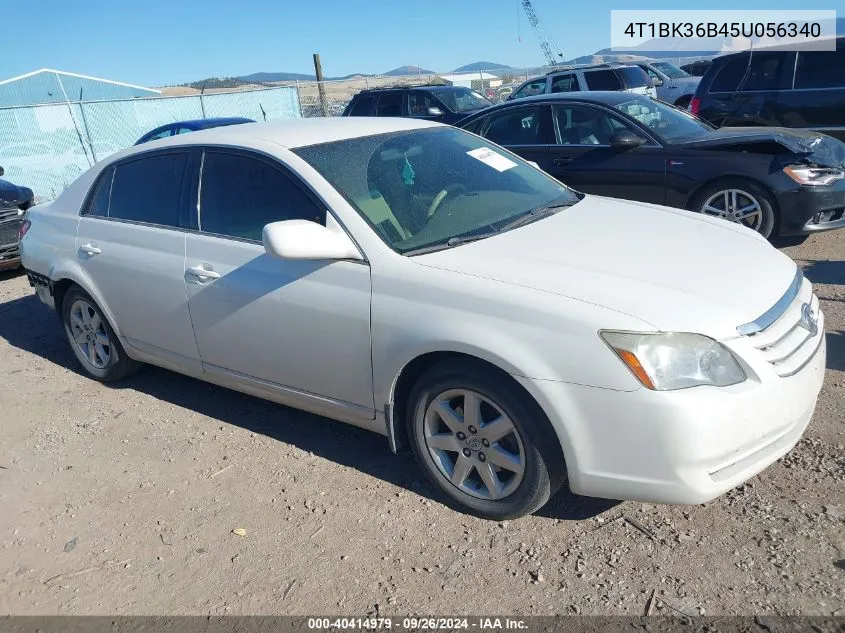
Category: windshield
[634,76]
[670,70]
[462,99]
[419,189]
[668,122]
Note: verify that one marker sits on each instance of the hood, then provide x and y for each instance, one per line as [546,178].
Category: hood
[809,146]
[12,195]
[673,269]
[692,82]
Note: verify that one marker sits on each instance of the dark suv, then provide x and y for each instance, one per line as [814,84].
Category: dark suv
[776,86]
[446,104]
[13,201]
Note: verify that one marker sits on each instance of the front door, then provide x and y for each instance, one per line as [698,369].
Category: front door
[584,159]
[526,130]
[293,324]
[130,241]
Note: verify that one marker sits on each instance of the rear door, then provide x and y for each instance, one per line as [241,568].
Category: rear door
[584,160]
[525,130]
[817,100]
[291,326]
[131,243]
[390,104]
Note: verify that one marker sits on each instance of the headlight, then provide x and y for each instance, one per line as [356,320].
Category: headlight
[675,360]
[814,175]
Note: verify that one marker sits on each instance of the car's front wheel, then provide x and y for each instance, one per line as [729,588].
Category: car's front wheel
[739,201]
[483,442]
[92,339]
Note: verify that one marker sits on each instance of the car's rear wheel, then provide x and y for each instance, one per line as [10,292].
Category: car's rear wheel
[738,201]
[483,442]
[92,338]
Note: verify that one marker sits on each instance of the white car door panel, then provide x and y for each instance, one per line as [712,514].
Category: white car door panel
[299,324]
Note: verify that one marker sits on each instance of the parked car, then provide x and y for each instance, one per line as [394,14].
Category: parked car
[183,127]
[697,68]
[622,77]
[416,280]
[673,85]
[444,104]
[14,200]
[776,87]
[775,181]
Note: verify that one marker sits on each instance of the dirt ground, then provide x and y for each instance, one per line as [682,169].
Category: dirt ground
[123,500]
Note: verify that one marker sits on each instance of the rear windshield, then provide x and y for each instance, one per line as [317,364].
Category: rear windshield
[633,77]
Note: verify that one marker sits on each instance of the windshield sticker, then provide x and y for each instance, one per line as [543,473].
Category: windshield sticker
[491,158]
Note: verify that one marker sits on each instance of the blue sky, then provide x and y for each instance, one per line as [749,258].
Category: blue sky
[157,42]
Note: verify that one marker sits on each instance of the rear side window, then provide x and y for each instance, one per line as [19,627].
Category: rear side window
[149,189]
[241,194]
[389,104]
[536,87]
[602,80]
[565,83]
[98,203]
[634,77]
[820,69]
[727,79]
[362,107]
[766,71]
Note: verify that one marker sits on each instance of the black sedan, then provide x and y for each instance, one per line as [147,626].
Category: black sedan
[13,199]
[776,181]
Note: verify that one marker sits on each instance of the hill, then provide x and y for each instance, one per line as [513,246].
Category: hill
[477,66]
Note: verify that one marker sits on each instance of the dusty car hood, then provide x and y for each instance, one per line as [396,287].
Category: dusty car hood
[675,270]
[808,145]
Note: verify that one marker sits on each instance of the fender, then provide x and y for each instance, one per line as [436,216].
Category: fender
[70,269]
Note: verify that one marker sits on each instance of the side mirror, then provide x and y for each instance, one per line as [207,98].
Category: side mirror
[656,81]
[302,239]
[435,112]
[625,139]
[2,171]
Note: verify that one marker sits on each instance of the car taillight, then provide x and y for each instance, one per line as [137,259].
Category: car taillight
[24,228]
[694,105]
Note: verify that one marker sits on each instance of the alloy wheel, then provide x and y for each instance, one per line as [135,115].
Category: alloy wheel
[735,205]
[474,444]
[89,334]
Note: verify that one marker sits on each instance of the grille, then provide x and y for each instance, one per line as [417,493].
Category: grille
[9,225]
[788,343]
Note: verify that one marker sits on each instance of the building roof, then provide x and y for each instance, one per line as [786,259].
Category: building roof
[55,86]
[468,76]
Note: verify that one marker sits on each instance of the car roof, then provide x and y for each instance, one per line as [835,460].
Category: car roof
[601,97]
[429,87]
[294,133]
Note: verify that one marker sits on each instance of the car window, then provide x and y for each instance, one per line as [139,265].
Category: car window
[420,188]
[463,99]
[669,123]
[162,134]
[583,125]
[520,126]
[670,70]
[98,203]
[766,71]
[419,102]
[389,104]
[240,195]
[820,69]
[182,130]
[727,79]
[475,126]
[363,106]
[633,77]
[536,87]
[149,189]
[565,83]
[602,80]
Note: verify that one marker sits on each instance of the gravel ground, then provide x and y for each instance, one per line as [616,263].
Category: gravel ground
[128,499]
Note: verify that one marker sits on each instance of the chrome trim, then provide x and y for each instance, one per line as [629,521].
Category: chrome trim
[771,315]
[806,362]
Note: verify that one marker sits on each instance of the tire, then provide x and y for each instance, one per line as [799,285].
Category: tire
[440,395]
[711,201]
[85,324]
[789,240]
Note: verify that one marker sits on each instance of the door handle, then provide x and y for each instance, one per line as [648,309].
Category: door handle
[203,273]
[563,161]
[90,249]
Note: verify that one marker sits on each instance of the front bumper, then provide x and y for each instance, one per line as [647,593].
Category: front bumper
[805,210]
[687,446]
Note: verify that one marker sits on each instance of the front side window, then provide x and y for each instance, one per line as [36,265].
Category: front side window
[389,104]
[565,83]
[670,124]
[520,126]
[633,77]
[98,203]
[162,134]
[419,189]
[602,80]
[583,125]
[670,70]
[149,189]
[240,195]
[536,87]
[419,103]
[462,100]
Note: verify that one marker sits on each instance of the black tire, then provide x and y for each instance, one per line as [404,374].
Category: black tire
[768,227]
[789,240]
[118,365]
[544,468]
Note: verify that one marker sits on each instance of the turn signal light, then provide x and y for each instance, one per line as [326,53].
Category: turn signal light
[24,228]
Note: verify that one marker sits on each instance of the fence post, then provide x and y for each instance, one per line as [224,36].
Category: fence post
[202,103]
[318,71]
[85,125]
[299,98]
[73,120]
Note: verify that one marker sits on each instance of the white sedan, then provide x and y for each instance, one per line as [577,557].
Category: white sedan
[413,279]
